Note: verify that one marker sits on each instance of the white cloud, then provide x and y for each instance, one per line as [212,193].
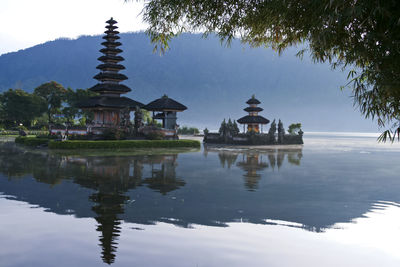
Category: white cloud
[29,22]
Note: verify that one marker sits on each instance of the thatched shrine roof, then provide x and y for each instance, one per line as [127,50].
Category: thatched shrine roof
[253,100]
[111,21]
[253,109]
[111,58]
[111,37]
[103,76]
[110,102]
[253,119]
[111,27]
[165,104]
[111,44]
[110,87]
[110,50]
[110,66]
[111,32]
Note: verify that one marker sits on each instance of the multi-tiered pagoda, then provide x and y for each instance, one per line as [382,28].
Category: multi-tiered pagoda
[253,120]
[110,109]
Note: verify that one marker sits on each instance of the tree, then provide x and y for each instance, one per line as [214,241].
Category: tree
[236,130]
[53,93]
[72,98]
[294,128]
[18,106]
[223,128]
[364,35]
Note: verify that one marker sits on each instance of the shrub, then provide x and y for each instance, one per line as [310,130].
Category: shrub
[121,144]
[155,135]
[78,137]
[113,134]
[48,136]
[31,141]
[188,130]
[5,132]
[294,128]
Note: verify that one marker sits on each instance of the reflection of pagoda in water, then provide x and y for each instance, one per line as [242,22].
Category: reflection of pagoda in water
[252,164]
[109,205]
[112,178]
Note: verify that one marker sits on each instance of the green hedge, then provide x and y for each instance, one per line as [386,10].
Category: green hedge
[11,132]
[31,141]
[121,144]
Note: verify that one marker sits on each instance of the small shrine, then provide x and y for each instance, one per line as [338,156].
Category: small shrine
[166,109]
[253,120]
[109,108]
[229,132]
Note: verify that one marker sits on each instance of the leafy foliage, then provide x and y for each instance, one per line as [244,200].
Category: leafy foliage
[53,93]
[229,128]
[364,35]
[72,98]
[188,130]
[294,128]
[31,141]
[18,106]
[37,110]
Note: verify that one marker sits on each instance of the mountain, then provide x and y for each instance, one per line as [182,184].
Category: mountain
[213,80]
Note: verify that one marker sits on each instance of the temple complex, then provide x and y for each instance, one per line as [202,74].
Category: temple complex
[110,109]
[229,132]
[253,120]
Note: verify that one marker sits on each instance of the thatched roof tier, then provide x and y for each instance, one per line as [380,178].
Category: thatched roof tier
[111,58]
[253,109]
[110,37]
[110,102]
[110,87]
[253,119]
[104,76]
[111,44]
[111,21]
[111,27]
[109,66]
[110,50]
[165,104]
[253,101]
[111,32]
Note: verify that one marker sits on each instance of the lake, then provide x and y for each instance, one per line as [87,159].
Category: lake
[333,202]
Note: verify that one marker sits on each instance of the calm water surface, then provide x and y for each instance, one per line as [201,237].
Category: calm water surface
[333,202]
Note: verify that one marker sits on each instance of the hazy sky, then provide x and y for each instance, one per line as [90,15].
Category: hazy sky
[25,23]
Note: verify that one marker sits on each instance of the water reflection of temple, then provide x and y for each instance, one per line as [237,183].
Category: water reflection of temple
[255,162]
[108,188]
[112,178]
[252,164]
[226,158]
[163,176]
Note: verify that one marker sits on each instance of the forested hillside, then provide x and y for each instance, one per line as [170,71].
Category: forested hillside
[214,81]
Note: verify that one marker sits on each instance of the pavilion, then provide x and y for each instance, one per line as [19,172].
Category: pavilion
[167,109]
[253,120]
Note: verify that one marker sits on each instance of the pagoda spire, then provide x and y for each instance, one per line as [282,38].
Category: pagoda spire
[109,76]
